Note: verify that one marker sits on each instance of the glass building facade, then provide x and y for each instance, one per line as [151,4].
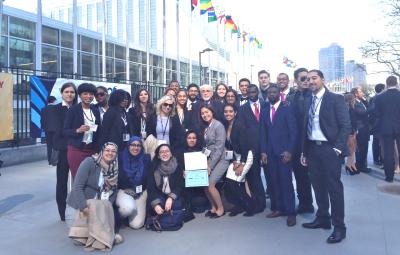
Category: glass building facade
[331,62]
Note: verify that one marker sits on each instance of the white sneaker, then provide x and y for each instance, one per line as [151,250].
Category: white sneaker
[118,239]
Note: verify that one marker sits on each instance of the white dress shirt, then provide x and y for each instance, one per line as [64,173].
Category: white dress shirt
[276,105]
[316,134]
[253,107]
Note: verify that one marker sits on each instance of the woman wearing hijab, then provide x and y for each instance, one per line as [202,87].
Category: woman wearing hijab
[134,167]
[194,198]
[165,183]
[93,194]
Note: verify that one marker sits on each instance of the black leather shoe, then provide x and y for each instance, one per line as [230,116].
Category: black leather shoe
[305,209]
[209,214]
[366,170]
[317,223]
[248,214]
[235,211]
[388,179]
[337,236]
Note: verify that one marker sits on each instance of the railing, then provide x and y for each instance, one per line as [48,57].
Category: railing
[21,98]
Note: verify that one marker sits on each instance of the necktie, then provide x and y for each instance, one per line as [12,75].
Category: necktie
[256,112]
[311,114]
[282,97]
[272,114]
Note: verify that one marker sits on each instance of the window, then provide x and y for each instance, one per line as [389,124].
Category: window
[4,25]
[49,59]
[120,70]
[67,61]
[22,28]
[135,56]
[109,68]
[109,50]
[89,44]
[134,72]
[22,54]
[89,65]
[120,52]
[3,50]
[50,35]
[67,39]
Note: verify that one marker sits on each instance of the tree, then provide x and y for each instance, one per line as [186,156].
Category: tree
[387,52]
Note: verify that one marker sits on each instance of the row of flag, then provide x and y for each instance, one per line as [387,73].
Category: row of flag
[206,7]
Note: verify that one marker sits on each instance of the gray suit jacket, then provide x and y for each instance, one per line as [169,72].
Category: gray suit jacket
[215,138]
[86,185]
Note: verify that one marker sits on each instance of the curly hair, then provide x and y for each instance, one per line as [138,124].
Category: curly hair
[161,101]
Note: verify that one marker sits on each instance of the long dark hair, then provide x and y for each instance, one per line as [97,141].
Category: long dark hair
[199,142]
[215,95]
[70,85]
[138,108]
[235,109]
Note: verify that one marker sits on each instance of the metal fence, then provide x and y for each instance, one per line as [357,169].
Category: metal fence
[21,98]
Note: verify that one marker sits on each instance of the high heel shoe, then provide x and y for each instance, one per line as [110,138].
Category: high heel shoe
[351,172]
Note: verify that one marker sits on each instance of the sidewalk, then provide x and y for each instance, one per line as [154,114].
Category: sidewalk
[30,224]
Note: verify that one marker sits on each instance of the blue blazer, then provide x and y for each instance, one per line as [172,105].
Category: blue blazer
[74,119]
[282,134]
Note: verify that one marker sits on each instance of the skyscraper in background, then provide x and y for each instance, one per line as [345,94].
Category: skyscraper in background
[331,62]
[358,73]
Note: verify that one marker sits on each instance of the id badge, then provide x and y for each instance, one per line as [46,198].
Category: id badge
[105,195]
[125,137]
[93,127]
[228,155]
[139,189]
[144,135]
[206,152]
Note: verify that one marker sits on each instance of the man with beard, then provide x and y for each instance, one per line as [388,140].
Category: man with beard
[243,85]
[248,120]
[193,94]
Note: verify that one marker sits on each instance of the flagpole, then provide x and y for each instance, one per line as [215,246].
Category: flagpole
[190,47]
[148,40]
[164,45]
[127,68]
[103,43]
[178,59]
[75,35]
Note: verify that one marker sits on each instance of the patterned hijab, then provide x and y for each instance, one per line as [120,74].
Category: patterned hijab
[109,171]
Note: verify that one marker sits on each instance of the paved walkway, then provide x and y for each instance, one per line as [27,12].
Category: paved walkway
[29,223]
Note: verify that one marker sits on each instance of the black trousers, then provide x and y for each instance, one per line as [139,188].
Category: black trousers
[362,138]
[236,192]
[62,183]
[255,185]
[303,184]
[49,143]
[325,172]
[388,153]
[376,149]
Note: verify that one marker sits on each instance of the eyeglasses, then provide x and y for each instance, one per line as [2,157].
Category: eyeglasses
[110,151]
[101,94]
[303,79]
[164,151]
[137,145]
[166,105]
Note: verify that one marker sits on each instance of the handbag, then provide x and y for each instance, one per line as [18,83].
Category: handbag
[168,221]
[54,157]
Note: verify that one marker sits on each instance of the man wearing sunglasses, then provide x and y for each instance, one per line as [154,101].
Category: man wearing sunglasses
[102,100]
[303,185]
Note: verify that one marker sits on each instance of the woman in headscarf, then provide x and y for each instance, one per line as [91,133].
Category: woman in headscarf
[165,183]
[194,198]
[134,167]
[93,194]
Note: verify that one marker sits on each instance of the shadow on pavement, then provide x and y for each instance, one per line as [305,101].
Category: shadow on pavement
[9,203]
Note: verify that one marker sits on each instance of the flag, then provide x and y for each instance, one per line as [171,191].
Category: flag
[194,4]
[211,14]
[230,24]
[238,33]
[288,62]
[221,17]
[204,6]
[244,34]
[251,38]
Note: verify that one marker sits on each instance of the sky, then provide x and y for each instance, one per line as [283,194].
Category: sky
[298,29]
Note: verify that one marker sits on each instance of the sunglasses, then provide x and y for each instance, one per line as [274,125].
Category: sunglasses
[166,105]
[101,94]
[303,79]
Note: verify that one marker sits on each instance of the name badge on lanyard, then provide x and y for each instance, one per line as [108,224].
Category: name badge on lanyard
[105,195]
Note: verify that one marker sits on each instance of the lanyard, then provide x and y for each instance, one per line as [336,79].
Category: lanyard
[142,125]
[164,128]
[91,116]
[207,129]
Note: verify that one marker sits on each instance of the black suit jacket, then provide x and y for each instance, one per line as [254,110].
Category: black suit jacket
[46,119]
[361,115]
[74,119]
[197,122]
[134,123]
[58,114]
[334,120]
[249,130]
[113,127]
[387,107]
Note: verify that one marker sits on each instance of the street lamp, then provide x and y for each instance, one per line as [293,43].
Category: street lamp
[201,52]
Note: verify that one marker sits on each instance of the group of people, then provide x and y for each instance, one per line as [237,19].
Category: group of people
[133,157]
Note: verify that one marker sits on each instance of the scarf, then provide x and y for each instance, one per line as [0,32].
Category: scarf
[109,171]
[164,169]
[133,166]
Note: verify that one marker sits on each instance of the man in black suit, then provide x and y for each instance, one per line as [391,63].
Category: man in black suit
[248,122]
[48,126]
[373,120]
[264,79]
[388,112]
[243,85]
[327,127]
[298,103]
[278,135]
[362,125]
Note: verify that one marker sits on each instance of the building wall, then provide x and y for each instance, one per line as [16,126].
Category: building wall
[331,62]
